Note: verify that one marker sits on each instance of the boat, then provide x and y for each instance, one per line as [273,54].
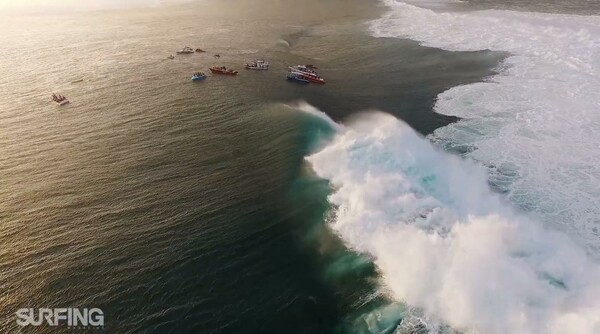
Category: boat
[59,99]
[296,78]
[171,57]
[314,78]
[302,68]
[222,70]
[198,76]
[257,65]
[186,49]
[199,50]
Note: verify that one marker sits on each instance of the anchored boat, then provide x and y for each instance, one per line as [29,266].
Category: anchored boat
[307,74]
[257,65]
[222,70]
[302,68]
[309,77]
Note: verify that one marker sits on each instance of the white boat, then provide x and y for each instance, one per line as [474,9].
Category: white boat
[186,49]
[303,69]
[257,65]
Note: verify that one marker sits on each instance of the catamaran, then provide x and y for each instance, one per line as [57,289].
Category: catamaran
[257,65]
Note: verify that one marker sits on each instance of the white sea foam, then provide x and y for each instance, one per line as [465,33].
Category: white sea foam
[446,243]
[537,123]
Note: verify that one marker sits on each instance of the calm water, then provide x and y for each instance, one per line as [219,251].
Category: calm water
[187,207]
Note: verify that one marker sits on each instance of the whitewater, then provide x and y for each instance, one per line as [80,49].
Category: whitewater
[536,124]
[523,257]
[445,242]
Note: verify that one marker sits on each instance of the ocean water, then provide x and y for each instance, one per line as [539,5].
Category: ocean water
[188,207]
[520,259]
[423,189]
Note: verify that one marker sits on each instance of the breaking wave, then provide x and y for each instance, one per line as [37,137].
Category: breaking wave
[445,243]
[536,124]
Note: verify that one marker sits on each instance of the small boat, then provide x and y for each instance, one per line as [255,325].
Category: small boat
[171,57]
[217,56]
[222,70]
[199,50]
[296,78]
[198,76]
[257,65]
[186,49]
[59,99]
[314,78]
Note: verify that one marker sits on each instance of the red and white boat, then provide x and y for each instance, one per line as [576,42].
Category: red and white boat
[309,77]
[222,70]
[306,73]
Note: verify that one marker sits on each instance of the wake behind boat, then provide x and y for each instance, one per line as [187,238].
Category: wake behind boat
[257,65]
[60,99]
[222,70]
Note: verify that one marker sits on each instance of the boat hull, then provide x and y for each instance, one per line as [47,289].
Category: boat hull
[310,78]
[297,79]
[198,78]
[218,71]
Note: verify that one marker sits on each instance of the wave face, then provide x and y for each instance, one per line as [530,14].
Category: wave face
[444,242]
[536,124]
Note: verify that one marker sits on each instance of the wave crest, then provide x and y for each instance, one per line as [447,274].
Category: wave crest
[446,243]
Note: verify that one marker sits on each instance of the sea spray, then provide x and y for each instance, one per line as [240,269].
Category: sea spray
[444,242]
